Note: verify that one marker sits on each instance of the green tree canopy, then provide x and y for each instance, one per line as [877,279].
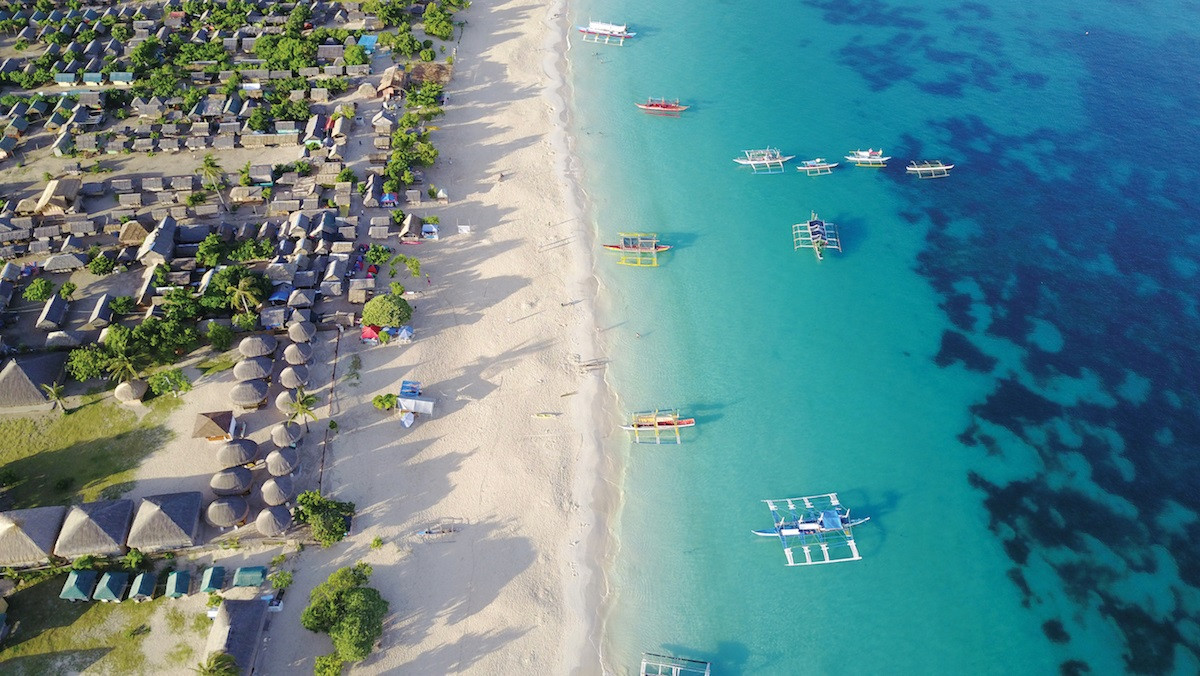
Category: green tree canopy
[348,610]
[39,290]
[326,517]
[386,310]
[211,250]
[220,336]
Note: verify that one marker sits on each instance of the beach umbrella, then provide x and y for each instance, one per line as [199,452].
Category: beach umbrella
[286,434]
[258,345]
[131,391]
[298,353]
[302,332]
[282,461]
[284,401]
[226,512]
[231,481]
[250,394]
[253,368]
[278,490]
[294,376]
[236,453]
[273,520]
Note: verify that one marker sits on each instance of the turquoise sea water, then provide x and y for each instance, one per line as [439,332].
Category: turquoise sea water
[1000,369]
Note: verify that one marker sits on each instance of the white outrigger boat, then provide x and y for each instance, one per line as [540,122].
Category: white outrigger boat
[816,525]
[605,33]
[929,168]
[868,158]
[763,160]
[817,167]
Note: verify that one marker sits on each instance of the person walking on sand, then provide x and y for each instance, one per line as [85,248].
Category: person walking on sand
[428,282]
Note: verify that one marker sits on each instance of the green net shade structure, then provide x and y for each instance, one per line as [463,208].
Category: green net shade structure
[249,576]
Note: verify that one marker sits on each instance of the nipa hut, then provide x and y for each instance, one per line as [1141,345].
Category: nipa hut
[237,453]
[231,481]
[297,353]
[248,395]
[302,332]
[258,346]
[215,426]
[273,521]
[237,631]
[284,401]
[286,434]
[282,461]
[165,522]
[95,528]
[27,535]
[278,490]
[79,585]
[253,368]
[227,511]
[293,377]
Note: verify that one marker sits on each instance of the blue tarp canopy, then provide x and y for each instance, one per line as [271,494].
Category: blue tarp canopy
[249,576]
[79,585]
[281,293]
[830,520]
[212,580]
[367,42]
[178,583]
[410,388]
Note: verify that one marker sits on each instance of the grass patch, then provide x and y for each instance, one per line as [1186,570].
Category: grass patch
[92,452]
[56,637]
[181,654]
[201,624]
[176,620]
[221,362]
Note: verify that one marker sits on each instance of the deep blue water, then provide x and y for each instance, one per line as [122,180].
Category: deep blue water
[1000,369]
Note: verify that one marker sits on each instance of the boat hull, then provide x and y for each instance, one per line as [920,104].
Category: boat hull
[665,424]
[605,34]
[618,247]
[774,160]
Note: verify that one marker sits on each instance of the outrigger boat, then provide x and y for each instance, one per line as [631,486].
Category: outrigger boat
[638,249]
[816,525]
[929,168]
[661,420]
[605,33]
[817,235]
[657,426]
[763,160]
[634,244]
[817,167]
[662,107]
[868,158]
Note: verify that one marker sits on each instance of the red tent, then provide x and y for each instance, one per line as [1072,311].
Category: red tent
[370,333]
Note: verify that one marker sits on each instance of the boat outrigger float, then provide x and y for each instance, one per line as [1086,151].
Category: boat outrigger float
[817,525]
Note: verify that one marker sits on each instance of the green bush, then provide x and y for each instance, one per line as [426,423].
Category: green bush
[122,305]
[39,290]
[326,517]
[220,336]
[101,265]
[328,665]
[386,310]
[350,612]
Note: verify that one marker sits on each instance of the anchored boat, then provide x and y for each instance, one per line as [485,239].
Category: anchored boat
[929,169]
[638,249]
[662,107]
[817,167]
[656,427]
[813,529]
[763,160]
[605,33]
[868,158]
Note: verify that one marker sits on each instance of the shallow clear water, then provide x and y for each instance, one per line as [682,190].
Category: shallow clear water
[999,369]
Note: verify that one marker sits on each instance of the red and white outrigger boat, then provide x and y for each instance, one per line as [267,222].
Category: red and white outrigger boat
[630,244]
[605,33]
[662,107]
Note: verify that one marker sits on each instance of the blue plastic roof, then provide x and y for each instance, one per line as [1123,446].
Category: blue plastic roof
[830,519]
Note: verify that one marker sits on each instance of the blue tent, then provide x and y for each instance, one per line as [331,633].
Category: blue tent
[178,584]
[367,42]
[212,580]
[111,587]
[142,588]
[281,293]
[249,576]
[79,585]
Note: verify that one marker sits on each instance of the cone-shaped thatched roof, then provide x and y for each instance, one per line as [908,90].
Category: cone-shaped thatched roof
[226,512]
[131,391]
[286,434]
[284,401]
[27,535]
[97,528]
[258,346]
[294,376]
[166,522]
[302,332]
[249,394]
[236,453]
[273,520]
[298,353]
[282,461]
[231,481]
[213,424]
[278,490]
[252,368]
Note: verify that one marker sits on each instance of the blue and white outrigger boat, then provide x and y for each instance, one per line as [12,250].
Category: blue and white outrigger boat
[816,525]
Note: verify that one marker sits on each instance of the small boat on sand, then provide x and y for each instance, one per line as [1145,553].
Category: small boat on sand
[868,158]
[662,107]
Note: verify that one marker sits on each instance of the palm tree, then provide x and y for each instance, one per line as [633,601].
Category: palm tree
[302,407]
[124,366]
[55,394]
[212,173]
[244,294]
[218,664]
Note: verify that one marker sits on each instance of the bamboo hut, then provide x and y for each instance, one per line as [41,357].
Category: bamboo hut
[249,395]
[278,490]
[293,377]
[282,461]
[297,353]
[284,401]
[226,512]
[253,368]
[231,481]
[286,434]
[237,631]
[214,426]
[27,535]
[273,521]
[95,528]
[165,522]
[237,453]
[258,345]
[302,332]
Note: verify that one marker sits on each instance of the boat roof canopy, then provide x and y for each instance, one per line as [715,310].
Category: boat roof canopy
[830,519]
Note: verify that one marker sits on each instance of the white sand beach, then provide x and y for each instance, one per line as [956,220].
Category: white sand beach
[501,325]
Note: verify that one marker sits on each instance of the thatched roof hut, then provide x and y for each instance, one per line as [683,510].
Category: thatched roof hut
[286,434]
[231,481]
[214,426]
[22,378]
[253,368]
[96,528]
[284,401]
[273,521]
[278,490]
[237,453]
[166,522]
[302,332]
[258,345]
[298,353]
[250,394]
[294,376]
[226,512]
[131,391]
[237,631]
[282,461]
[27,535]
